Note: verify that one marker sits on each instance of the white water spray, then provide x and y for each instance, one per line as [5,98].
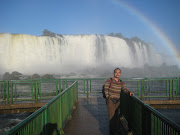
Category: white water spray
[30,54]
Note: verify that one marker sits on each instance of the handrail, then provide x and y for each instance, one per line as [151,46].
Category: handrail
[143,88]
[53,114]
[144,120]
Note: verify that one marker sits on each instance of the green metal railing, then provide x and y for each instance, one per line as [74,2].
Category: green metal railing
[50,118]
[31,90]
[144,120]
[144,88]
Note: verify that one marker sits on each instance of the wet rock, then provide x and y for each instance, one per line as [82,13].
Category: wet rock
[16,73]
[47,76]
[8,76]
[36,76]
[28,78]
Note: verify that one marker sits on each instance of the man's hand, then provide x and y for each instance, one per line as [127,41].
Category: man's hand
[131,93]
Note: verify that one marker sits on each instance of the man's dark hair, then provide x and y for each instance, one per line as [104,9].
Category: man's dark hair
[117,69]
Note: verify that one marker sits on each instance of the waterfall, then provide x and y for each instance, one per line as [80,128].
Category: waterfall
[29,54]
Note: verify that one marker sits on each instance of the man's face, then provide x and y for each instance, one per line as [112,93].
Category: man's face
[117,73]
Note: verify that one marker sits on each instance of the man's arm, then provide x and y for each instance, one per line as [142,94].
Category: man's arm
[106,88]
[126,90]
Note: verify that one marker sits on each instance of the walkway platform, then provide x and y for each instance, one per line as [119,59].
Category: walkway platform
[90,118]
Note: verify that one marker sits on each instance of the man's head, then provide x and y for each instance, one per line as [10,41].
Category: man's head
[117,72]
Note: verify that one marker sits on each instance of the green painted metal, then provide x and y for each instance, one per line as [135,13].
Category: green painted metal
[7,89]
[149,87]
[138,114]
[90,85]
[144,120]
[53,114]
[84,86]
[143,88]
[60,86]
[66,83]
[4,87]
[166,87]
[1,89]
[179,87]
[176,87]
[39,89]
[138,88]
[15,91]
[63,84]
[87,88]
[32,88]
[36,92]
[170,88]
[11,84]
[56,87]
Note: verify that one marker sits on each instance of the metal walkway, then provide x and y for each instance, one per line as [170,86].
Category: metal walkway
[89,118]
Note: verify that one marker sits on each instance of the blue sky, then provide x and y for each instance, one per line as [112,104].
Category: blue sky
[94,17]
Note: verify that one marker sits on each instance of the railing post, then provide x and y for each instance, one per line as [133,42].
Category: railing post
[170,89]
[32,88]
[7,89]
[176,87]
[142,87]
[63,84]
[84,85]
[87,89]
[77,91]
[61,117]
[74,96]
[4,87]
[146,121]
[145,86]
[66,83]
[1,87]
[167,87]
[69,103]
[90,85]
[11,92]
[60,86]
[56,87]
[46,117]
[36,91]
[179,86]
[149,86]
[15,91]
[138,88]
[39,88]
[173,89]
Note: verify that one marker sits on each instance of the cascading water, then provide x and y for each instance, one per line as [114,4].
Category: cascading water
[30,54]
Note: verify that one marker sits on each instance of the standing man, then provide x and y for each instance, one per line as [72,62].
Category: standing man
[113,87]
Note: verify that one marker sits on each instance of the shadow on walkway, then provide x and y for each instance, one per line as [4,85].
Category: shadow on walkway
[89,118]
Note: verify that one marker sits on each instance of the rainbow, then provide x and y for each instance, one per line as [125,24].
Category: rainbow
[158,32]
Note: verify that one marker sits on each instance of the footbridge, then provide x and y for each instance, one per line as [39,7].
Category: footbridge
[76,106]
